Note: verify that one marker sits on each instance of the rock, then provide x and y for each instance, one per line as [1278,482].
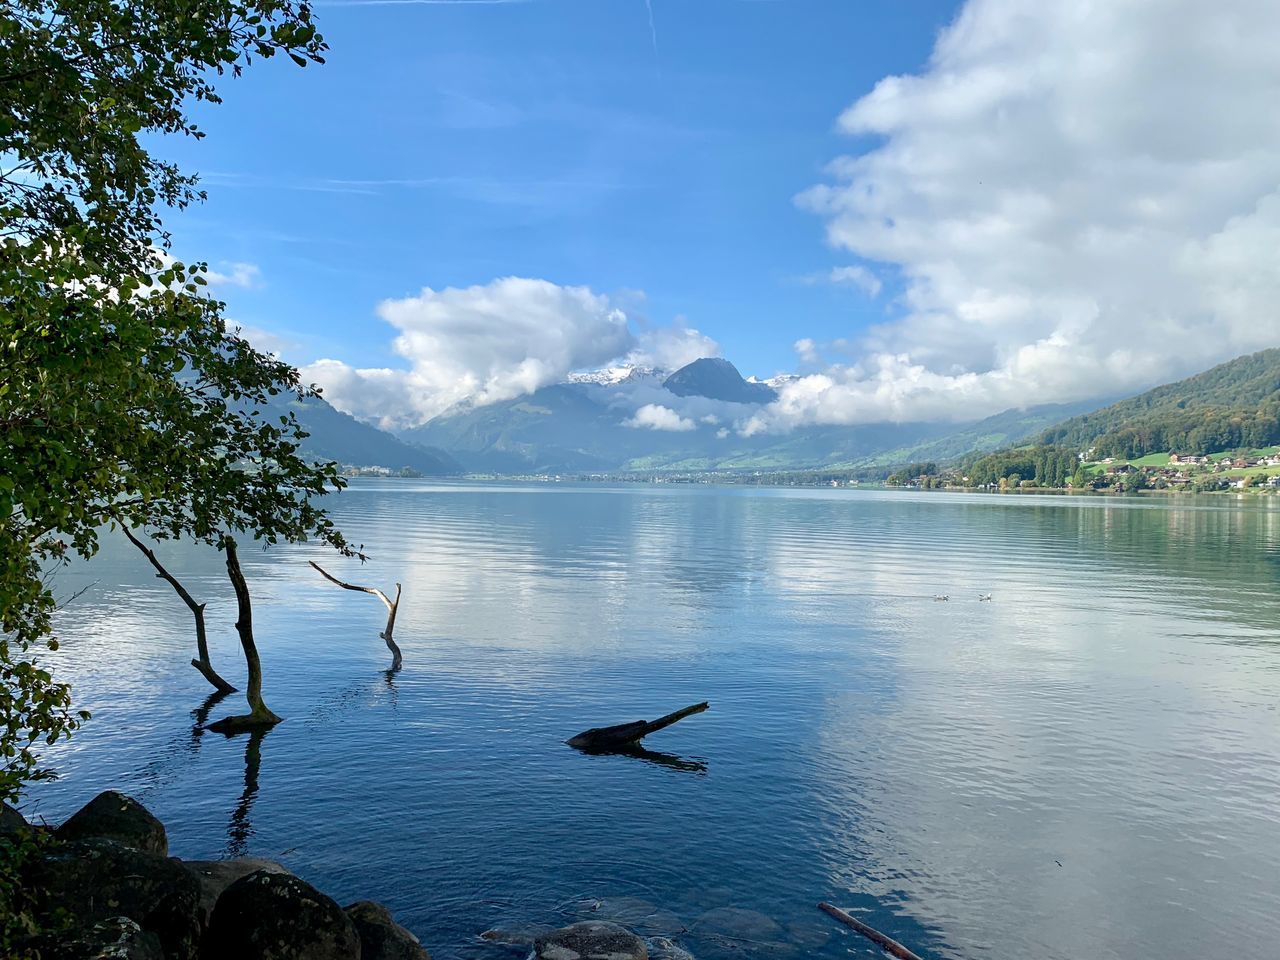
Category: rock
[381,938]
[591,940]
[737,923]
[97,880]
[216,875]
[811,934]
[12,822]
[113,816]
[664,948]
[517,936]
[117,938]
[276,916]
[635,913]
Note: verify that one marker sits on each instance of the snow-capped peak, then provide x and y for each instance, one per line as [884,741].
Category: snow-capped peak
[612,376]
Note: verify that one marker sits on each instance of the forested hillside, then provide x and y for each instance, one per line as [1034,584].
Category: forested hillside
[1234,405]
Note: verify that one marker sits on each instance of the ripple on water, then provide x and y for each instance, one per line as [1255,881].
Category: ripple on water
[1099,741]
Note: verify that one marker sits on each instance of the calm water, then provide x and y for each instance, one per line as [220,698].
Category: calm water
[1086,767]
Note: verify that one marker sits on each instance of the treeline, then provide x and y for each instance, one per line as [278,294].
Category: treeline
[1045,466]
[1195,432]
[913,471]
[1235,405]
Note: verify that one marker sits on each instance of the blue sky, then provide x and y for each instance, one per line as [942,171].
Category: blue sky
[449,144]
[1026,202]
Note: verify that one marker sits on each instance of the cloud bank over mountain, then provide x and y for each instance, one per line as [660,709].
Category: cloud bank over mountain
[1079,198]
[492,342]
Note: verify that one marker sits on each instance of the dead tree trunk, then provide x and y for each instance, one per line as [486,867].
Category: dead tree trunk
[888,945]
[392,607]
[629,734]
[258,716]
[203,664]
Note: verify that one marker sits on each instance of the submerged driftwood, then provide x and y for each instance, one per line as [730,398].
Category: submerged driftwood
[626,735]
[887,944]
[387,635]
[259,715]
[203,664]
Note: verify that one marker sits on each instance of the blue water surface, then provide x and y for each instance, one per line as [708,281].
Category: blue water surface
[1088,765]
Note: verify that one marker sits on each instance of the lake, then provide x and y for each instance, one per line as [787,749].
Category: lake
[1088,765]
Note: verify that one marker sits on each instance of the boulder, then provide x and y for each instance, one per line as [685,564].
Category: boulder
[636,914]
[113,816]
[381,938]
[524,936]
[737,923]
[117,938]
[215,876]
[12,822]
[276,916]
[591,940]
[664,948]
[91,881]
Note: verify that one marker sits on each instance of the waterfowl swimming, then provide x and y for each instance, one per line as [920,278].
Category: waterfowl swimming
[984,596]
[941,596]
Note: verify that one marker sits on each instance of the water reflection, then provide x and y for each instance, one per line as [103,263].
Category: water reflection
[637,752]
[201,715]
[1112,710]
[240,829]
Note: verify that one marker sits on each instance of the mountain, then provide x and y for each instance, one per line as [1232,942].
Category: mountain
[334,435]
[1001,430]
[1235,404]
[717,379]
[594,425]
[561,428]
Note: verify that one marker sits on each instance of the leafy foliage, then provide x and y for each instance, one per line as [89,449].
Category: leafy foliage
[122,393]
[1234,405]
[1044,466]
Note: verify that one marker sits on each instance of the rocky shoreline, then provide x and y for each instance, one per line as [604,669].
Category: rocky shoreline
[102,886]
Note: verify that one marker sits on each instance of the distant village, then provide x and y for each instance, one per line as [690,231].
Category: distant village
[1257,471]
[1185,470]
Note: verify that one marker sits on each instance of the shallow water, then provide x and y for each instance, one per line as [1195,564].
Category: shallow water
[1086,766]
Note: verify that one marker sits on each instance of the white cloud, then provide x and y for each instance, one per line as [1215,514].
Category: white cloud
[1080,199]
[807,350]
[244,275]
[495,341]
[653,416]
[265,340]
[859,277]
[670,348]
[481,344]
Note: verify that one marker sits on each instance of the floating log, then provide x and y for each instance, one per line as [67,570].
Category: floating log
[629,734]
[887,944]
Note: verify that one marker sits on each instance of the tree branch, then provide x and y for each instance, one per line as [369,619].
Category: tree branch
[387,634]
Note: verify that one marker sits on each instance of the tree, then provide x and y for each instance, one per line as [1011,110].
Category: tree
[202,663]
[105,345]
